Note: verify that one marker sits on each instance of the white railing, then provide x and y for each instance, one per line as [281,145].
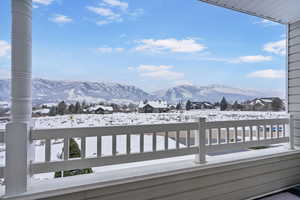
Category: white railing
[197,138]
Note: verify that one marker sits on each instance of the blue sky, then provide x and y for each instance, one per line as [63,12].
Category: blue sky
[150,44]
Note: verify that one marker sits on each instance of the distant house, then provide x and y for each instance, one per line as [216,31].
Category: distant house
[40,112]
[153,107]
[264,104]
[207,105]
[99,109]
[202,105]
[4,108]
[171,107]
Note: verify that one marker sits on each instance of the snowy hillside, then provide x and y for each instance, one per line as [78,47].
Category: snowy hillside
[48,91]
[212,93]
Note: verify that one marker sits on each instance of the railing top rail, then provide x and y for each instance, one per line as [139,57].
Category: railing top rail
[239,123]
[39,134]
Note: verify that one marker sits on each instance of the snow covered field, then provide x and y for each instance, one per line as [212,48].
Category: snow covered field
[84,120]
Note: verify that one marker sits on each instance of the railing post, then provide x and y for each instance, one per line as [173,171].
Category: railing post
[200,140]
[17,137]
[291,131]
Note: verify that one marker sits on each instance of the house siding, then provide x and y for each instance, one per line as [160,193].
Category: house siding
[293,60]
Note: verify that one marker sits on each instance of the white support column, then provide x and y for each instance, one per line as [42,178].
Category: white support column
[293,78]
[18,145]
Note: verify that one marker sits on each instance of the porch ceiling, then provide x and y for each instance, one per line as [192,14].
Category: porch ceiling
[281,11]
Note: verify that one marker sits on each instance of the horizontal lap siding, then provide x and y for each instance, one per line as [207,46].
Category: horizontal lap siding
[233,181]
[295,56]
[294,66]
[294,41]
[295,26]
[294,73]
[294,48]
[294,33]
[293,52]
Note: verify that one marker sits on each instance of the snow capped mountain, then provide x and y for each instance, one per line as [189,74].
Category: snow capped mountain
[212,93]
[49,91]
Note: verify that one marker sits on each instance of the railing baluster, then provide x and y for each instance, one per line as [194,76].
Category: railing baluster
[114,145]
[235,134]
[166,140]
[66,148]
[142,143]
[271,131]
[48,150]
[227,135]
[128,144]
[177,139]
[154,138]
[210,137]
[99,146]
[83,147]
[258,132]
[219,136]
[243,134]
[188,138]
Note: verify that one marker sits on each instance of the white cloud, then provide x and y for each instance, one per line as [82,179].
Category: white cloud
[268,73]
[105,49]
[183,82]
[4,48]
[102,22]
[160,72]
[154,67]
[137,12]
[119,49]
[266,22]
[164,75]
[109,50]
[60,19]
[278,47]
[251,59]
[112,11]
[43,2]
[105,12]
[117,3]
[170,44]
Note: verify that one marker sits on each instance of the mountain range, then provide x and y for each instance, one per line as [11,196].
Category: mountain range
[50,91]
